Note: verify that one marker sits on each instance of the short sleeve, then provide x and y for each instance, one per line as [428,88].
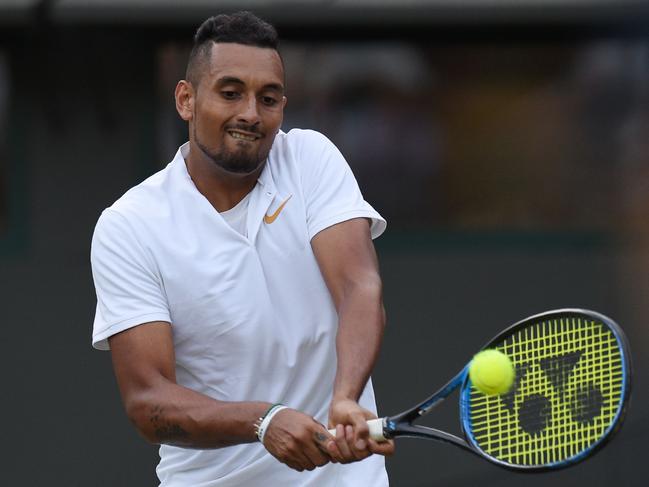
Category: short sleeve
[331,192]
[129,291]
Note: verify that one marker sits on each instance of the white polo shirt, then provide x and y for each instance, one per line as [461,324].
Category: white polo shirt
[252,318]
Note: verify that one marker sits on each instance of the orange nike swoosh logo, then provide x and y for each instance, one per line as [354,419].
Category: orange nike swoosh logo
[271,218]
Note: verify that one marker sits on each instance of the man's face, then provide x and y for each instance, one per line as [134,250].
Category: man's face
[238,106]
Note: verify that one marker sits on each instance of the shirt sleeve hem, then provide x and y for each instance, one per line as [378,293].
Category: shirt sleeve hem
[100,339]
[378,224]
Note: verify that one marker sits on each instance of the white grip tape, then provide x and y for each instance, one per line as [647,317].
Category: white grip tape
[376,429]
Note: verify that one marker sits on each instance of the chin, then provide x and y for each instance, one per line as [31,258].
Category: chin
[241,165]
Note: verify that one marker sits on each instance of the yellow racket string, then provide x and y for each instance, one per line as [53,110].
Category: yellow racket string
[568,390]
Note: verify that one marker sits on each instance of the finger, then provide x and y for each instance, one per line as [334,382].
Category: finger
[334,453]
[327,444]
[361,431]
[294,466]
[343,446]
[385,448]
[357,453]
[295,455]
[349,437]
[316,451]
[297,460]
[305,461]
[316,457]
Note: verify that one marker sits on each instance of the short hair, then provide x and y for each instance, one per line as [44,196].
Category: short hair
[238,28]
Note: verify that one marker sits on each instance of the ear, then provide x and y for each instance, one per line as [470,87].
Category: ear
[185,96]
[284,102]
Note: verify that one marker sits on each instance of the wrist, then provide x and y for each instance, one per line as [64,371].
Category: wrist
[344,395]
[262,423]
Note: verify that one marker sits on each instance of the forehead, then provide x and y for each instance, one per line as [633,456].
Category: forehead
[249,63]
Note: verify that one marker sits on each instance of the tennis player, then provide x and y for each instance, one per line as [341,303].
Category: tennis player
[238,288]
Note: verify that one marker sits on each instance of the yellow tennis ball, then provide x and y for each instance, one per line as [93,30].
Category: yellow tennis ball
[491,372]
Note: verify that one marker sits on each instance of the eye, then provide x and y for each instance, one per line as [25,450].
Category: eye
[229,95]
[269,101]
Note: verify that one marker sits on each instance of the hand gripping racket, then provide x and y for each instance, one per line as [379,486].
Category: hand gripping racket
[572,384]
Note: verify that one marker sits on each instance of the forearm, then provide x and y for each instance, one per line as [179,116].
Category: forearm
[360,332]
[172,414]
[350,268]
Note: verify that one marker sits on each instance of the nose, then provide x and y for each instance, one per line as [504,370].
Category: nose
[249,114]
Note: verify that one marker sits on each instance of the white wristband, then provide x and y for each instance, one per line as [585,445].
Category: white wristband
[261,431]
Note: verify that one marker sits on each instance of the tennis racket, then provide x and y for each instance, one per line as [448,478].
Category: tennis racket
[572,385]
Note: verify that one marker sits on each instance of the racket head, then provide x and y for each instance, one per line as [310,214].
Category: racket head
[573,381]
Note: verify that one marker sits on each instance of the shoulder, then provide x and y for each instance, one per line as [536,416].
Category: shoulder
[137,213]
[145,200]
[304,140]
[308,152]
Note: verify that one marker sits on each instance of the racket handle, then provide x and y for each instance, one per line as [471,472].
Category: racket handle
[376,429]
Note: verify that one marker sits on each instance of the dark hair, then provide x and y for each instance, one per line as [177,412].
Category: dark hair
[238,28]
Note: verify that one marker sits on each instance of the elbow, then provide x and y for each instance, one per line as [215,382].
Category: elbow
[145,415]
[367,291]
[371,287]
[159,421]
[367,284]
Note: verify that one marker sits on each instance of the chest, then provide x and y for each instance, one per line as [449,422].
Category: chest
[227,292]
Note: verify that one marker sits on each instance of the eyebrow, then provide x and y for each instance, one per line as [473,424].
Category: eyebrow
[227,80]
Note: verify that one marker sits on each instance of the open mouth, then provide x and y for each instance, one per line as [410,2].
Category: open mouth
[235,134]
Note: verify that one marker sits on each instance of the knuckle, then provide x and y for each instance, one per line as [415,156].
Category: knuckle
[303,436]
[360,454]
[350,459]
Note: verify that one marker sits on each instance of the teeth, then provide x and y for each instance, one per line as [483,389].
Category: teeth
[240,136]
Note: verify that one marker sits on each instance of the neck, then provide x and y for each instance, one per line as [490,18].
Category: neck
[223,189]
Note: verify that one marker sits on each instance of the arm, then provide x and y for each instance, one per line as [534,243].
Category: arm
[166,412]
[144,361]
[348,263]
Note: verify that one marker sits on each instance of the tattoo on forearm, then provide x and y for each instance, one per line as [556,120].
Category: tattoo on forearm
[170,431]
[165,430]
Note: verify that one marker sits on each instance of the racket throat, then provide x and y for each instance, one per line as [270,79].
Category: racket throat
[424,432]
[402,424]
[429,404]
